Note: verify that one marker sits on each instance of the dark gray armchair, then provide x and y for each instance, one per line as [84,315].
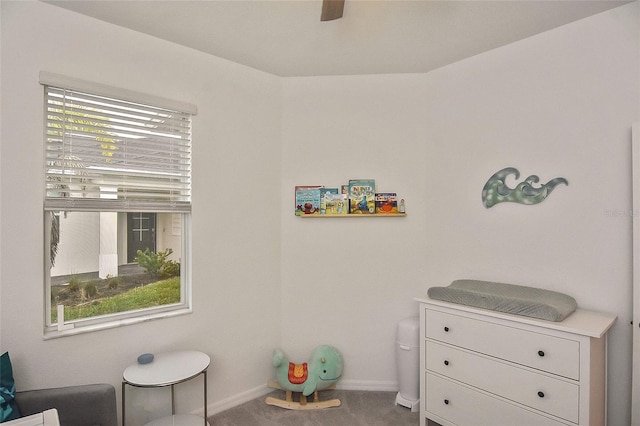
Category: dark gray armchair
[85,405]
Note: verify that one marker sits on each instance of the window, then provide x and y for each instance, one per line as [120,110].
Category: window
[117,206]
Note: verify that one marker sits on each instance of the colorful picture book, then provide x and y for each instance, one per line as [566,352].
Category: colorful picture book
[362,196]
[324,193]
[307,200]
[336,204]
[386,203]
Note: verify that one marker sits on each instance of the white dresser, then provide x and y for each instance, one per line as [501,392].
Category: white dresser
[486,368]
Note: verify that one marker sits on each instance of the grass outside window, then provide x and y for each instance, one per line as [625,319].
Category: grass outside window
[163,292]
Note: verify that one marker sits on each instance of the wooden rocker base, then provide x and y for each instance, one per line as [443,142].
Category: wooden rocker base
[303,404]
[292,405]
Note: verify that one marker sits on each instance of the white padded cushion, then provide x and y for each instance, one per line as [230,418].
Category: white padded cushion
[508,298]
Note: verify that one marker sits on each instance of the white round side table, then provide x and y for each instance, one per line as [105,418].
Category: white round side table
[169,369]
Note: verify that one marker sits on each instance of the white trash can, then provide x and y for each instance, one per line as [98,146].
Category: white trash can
[408,362]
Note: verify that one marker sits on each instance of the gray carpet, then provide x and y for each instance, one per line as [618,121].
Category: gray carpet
[356,408]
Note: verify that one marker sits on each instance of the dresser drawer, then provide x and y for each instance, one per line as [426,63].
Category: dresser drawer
[462,405]
[542,392]
[544,352]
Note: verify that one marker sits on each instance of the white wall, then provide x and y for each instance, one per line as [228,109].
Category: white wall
[77,254]
[169,228]
[559,104]
[236,163]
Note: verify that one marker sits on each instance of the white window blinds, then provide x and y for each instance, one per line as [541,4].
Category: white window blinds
[109,154]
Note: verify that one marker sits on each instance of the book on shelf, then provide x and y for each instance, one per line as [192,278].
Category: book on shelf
[386,202]
[307,200]
[362,196]
[336,204]
[324,193]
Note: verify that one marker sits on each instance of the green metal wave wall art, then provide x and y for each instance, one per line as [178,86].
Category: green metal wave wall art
[496,191]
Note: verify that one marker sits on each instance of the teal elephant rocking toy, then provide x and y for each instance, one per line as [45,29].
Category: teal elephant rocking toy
[321,372]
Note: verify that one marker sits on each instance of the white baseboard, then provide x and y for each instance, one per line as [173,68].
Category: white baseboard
[237,399]
[368,385]
[259,391]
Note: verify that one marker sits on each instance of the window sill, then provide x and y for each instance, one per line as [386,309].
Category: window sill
[53,333]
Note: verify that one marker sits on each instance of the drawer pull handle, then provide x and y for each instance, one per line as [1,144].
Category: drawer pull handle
[446,362]
[541,353]
[446,402]
[541,394]
[446,329]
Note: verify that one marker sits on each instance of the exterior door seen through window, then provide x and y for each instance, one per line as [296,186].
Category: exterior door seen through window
[141,233]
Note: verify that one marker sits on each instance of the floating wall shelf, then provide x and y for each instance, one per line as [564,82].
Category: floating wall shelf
[327,216]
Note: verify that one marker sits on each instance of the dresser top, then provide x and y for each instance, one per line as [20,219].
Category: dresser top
[582,322]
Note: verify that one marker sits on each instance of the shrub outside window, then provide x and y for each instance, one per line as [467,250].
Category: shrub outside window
[117,206]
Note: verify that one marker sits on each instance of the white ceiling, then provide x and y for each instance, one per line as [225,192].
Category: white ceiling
[286,37]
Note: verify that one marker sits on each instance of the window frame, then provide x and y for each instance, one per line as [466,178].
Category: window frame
[83,325]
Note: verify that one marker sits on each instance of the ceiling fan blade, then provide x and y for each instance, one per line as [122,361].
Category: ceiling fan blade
[332,9]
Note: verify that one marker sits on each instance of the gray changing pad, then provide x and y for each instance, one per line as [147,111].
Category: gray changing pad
[509,298]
